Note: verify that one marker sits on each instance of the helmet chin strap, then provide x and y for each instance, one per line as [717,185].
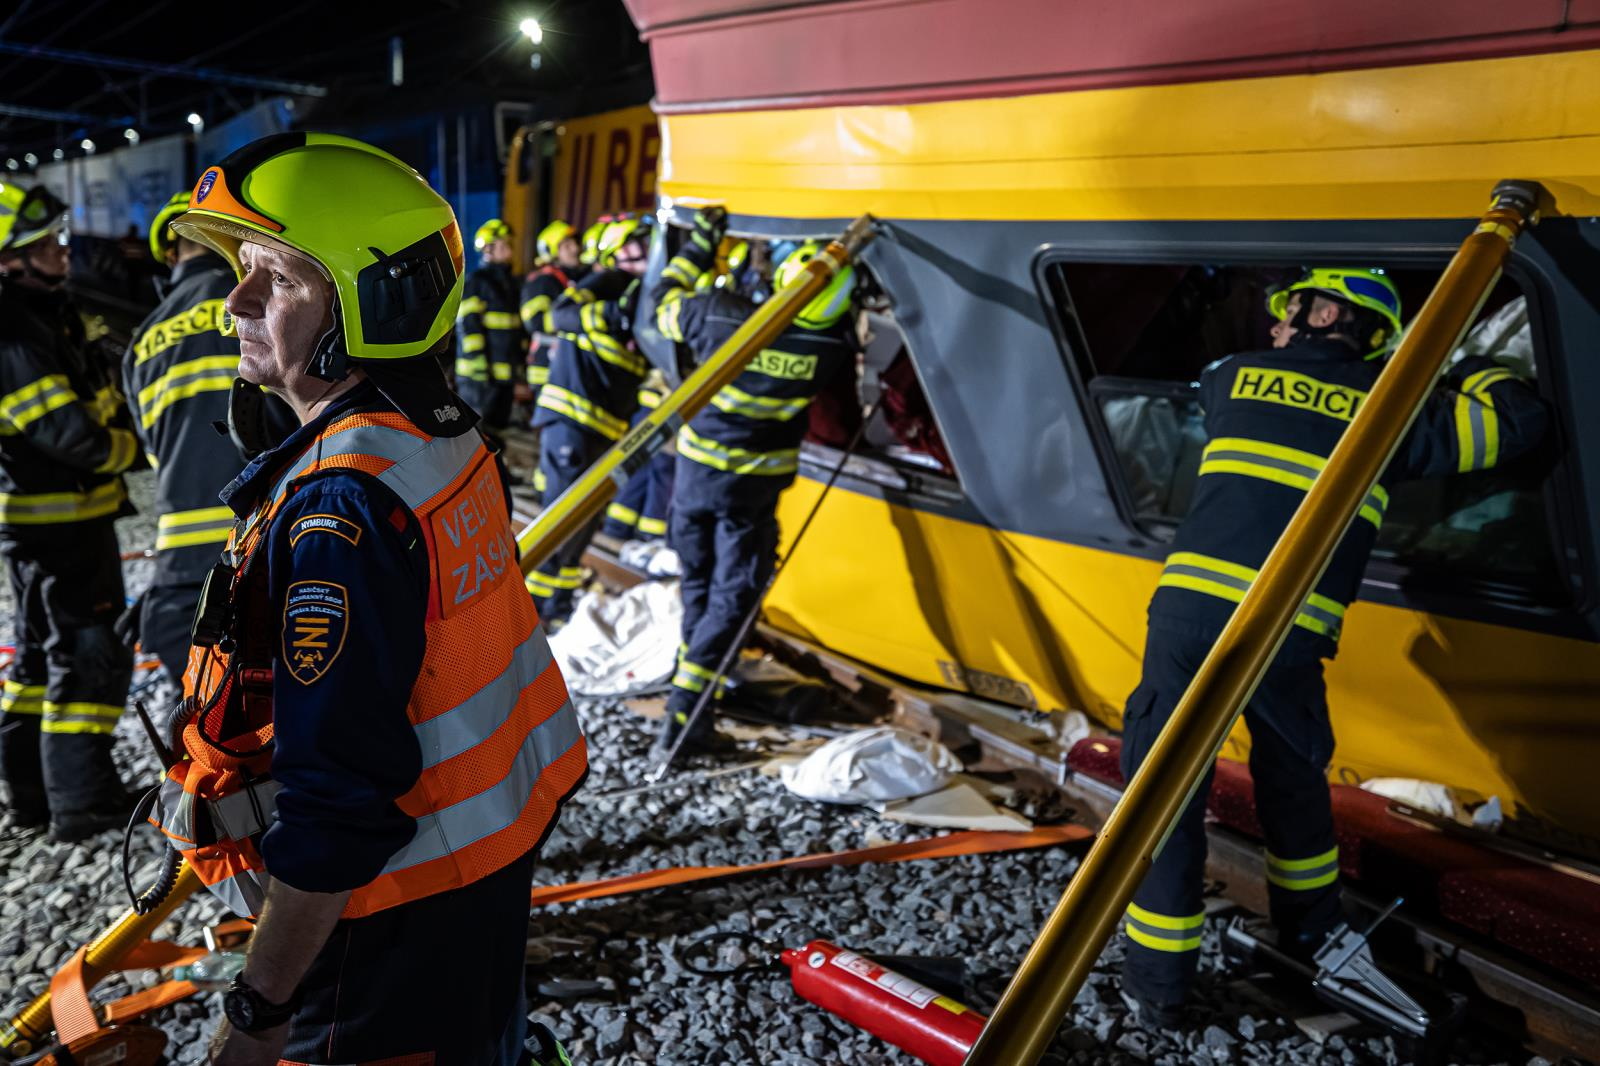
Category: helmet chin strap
[329,361]
[42,278]
[1304,330]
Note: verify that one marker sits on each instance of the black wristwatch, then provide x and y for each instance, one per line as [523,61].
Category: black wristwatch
[250,1012]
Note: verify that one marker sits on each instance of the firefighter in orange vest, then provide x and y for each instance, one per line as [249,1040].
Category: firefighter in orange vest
[375,739]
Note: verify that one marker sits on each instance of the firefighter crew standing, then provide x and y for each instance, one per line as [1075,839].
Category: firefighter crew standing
[62,452]
[1272,418]
[177,375]
[559,268]
[490,344]
[592,393]
[366,639]
[738,454]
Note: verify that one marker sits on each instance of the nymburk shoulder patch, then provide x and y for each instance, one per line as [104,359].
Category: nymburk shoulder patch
[316,616]
[324,523]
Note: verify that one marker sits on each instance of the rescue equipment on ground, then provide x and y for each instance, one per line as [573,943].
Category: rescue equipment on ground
[910,1002]
[1344,975]
[1030,1011]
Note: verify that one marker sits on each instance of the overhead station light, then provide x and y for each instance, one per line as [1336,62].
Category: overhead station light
[12,164]
[132,135]
[87,145]
[31,159]
[198,123]
[532,30]
[59,153]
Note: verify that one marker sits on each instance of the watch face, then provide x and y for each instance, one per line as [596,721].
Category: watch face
[239,1008]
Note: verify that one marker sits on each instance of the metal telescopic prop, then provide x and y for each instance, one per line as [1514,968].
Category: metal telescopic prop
[707,694]
[1025,1022]
[587,496]
[25,1032]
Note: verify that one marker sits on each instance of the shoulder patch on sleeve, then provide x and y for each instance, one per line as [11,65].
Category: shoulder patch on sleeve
[316,615]
[324,523]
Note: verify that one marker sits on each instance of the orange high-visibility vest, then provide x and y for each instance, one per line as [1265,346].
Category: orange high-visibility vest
[501,745]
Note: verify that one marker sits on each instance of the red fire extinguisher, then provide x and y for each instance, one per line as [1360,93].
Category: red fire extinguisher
[891,1006]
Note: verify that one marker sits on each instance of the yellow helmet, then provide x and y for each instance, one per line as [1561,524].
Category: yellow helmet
[491,231]
[591,240]
[162,239]
[619,233]
[1365,288]
[550,238]
[388,243]
[26,215]
[828,306]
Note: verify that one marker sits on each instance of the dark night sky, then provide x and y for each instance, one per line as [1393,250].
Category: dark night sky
[457,51]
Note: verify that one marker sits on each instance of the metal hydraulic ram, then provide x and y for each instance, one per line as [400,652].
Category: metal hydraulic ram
[1065,951]
[586,497]
[24,1034]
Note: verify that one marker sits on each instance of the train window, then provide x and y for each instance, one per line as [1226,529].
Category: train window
[1138,336]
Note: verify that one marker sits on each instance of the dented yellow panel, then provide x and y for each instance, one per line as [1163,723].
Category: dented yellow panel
[1484,708]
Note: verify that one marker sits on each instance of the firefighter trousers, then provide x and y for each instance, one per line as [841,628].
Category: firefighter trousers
[1290,746]
[728,552]
[639,511]
[565,452]
[69,680]
[453,997]
[166,621]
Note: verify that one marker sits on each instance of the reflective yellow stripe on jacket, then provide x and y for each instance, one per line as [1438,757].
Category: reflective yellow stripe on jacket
[1477,423]
[735,401]
[184,529]
[120,455]
[19,698]
[501,320]
[1230,581]
[49,508]
[1286,466]
[33,401]
[570,404]
[210,373]
[736,460]
[80,717]
[1164,932]
[1302,875]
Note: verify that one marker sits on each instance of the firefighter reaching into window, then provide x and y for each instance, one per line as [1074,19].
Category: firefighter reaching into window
[63,449]
[366,640]
[177,375]
[1272,419]
[738,454]
[558,269]
[592,393]
[490,344]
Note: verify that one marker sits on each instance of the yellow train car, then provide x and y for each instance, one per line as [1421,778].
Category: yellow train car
[1082,205]
[578,169]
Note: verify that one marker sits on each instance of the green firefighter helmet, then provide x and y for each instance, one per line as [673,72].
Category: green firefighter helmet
[828,306]
[1365,288]
[27,215]
[619,233]
[389,244]
[549,240]
[591,239]
[491,231]
[161,237]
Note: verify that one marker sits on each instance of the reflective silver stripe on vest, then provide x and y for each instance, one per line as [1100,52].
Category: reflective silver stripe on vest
[417,483]
[492,810]
[243,893]
[476,718]
[380,441]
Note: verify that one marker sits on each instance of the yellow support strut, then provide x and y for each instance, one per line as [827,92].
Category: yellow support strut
[1025,1022]
[24,1033]
[588,496]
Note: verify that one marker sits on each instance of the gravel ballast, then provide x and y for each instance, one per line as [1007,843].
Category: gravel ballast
[608,975]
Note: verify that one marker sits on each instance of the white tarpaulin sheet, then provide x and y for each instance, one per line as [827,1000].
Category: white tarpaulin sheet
[622,643]
[872,765]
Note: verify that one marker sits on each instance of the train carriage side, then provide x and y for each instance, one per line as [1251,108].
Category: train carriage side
[1062,263]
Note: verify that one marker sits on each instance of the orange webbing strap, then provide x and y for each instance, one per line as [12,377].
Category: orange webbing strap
[971,842]
[143,1002]
[70,1010]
